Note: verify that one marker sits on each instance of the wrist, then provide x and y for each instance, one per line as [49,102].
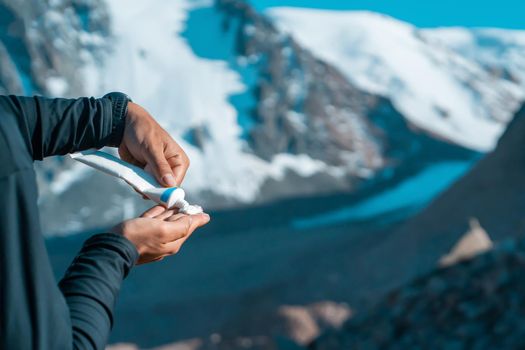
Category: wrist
[119,111]
[133,113]
[123,229]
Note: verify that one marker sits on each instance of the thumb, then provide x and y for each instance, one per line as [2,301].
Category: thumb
[199,220]
[194,222]
[160,167]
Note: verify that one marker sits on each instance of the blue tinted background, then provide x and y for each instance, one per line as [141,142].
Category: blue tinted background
[469,13]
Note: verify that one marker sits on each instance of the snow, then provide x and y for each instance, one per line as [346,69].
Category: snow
[65,179]
[491,47]
[301,164]
[57,86]
[436,88]
[155,65]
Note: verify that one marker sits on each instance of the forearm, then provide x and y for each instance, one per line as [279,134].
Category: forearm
[59,126]
[91,284]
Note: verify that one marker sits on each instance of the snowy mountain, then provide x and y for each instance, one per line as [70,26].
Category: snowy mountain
[500,51]
[440,84]
[51,47]
[263,114]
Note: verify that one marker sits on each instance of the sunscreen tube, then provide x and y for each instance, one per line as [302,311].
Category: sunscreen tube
[139,179]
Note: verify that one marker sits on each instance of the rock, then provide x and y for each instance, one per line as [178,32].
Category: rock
[330,314]
[300,324]
[304,323]
[475,241]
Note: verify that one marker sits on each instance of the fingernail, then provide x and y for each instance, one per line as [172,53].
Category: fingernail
[169,180]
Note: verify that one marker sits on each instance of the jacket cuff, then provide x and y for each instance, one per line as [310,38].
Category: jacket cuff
[119,111]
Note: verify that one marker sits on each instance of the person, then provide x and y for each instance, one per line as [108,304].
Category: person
[36,313]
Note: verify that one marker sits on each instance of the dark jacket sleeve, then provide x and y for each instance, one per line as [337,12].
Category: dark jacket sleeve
[91,285]
[60,126]
[35,312]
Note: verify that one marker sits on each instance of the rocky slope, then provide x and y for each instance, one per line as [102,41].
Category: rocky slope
[492,193]
[477,304]
[304,106]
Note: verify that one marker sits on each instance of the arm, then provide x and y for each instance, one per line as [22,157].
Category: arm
[59,126]
[34,312]
[78,314]
[93,280]
[91,285]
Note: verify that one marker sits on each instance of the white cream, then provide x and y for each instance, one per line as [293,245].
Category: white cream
[139,179]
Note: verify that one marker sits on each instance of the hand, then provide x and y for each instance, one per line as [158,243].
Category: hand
[159,232]
[146,144]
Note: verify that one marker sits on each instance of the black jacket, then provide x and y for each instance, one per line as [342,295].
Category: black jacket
[35,312]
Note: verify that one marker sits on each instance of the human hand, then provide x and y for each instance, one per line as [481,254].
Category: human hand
[159,232]
[146,144]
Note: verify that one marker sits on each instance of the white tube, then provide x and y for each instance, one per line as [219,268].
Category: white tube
[139,179]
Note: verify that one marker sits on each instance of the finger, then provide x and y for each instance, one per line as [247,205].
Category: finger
[175,217]
[166,214]
[126,156]
[183,226]
[197,221]
[200,220]
[174,230]
[174,247]
[179,166]
[161,169]
[152,212]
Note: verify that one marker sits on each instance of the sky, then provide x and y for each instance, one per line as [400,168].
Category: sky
[423,13]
